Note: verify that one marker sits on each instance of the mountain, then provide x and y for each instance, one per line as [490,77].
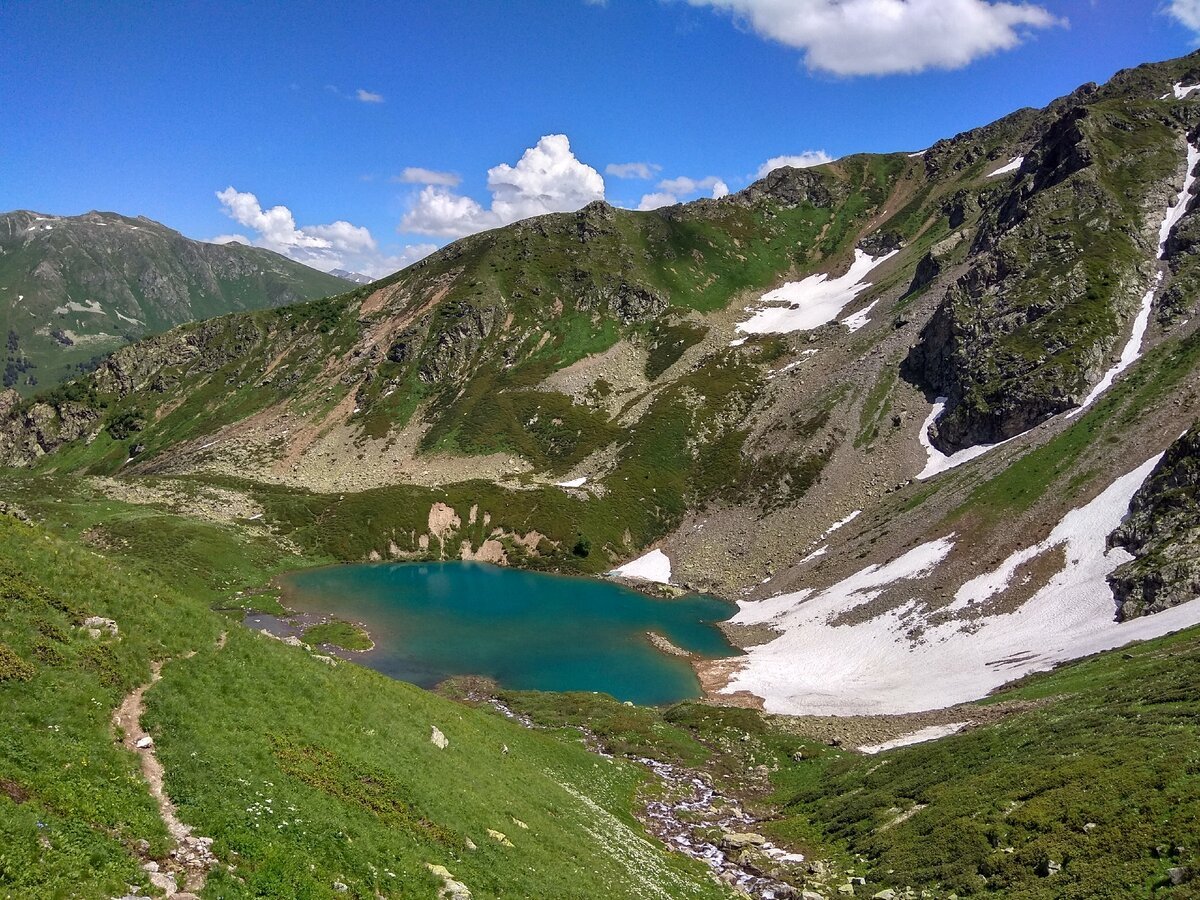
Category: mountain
[929,418]
[354,277]
[73,288]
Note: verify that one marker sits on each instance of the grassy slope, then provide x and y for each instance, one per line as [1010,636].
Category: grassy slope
[1112,746]
[248,278]
[333,749]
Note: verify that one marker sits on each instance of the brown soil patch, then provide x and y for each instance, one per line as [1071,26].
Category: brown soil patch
[13,791]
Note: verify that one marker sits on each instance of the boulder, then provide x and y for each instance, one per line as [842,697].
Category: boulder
[499,837]
[438,739]
[734,840]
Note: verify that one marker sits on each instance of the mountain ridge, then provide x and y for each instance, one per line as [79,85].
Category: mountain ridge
[75,287]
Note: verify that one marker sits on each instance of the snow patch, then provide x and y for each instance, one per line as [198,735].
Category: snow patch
[573,483]
[859,319]
[737,342]
[92,306]
[932,733]
[938,461]
[1011,166]
[813,302]
[899,661]
[1180,90]
[654,566]
[840,523]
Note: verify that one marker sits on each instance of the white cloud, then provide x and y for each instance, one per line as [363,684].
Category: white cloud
[683,185]
[800,161]
[655,201]
[1186,12]
[547,178]
[368,97]
[418,175]
[338,245]
[720,189]
[640,170]
[881,37]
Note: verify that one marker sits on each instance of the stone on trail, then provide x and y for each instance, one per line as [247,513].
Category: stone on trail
[438,739]
[144,743]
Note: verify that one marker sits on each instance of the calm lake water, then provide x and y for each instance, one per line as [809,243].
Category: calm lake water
[526,630]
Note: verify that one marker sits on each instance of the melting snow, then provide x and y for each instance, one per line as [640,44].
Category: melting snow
[573,483]
[876,666]
[840,523]
[1011,166]
[92,307]
[737,342]
[813,302]
[1180,90]
[654,566]
[938,461]
[932,733]
[1132,350]
[918,153]
[860,318]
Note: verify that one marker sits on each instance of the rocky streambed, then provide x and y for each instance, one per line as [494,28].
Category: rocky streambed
[686,812]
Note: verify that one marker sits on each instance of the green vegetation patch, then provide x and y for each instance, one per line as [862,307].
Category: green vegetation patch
[337,633]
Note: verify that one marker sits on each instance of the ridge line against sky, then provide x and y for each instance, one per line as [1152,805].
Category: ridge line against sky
[398,128]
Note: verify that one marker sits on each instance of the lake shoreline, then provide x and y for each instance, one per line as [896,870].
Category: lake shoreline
[413,611]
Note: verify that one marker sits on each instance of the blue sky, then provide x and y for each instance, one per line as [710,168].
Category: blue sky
[318,112]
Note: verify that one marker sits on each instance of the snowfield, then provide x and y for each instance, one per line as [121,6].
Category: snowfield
[813,302]
[654,566]
[1011,166]
[899,661]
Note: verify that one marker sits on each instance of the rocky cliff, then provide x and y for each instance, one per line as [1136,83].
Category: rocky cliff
[1163,533]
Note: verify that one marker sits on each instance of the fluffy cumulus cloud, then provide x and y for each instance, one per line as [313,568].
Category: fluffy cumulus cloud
[799,161]
[338,245]
[674,190]
[881,37]
[657,200]
[418,175]
[1186,12]
[640,170]
[547,178]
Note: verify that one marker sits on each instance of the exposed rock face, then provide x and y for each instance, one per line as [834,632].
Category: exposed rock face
[628,302]
[796,187]
[29,433]
[1059,261]
[1163,532]
[459,342]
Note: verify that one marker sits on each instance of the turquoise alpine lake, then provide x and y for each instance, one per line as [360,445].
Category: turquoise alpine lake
[525,630]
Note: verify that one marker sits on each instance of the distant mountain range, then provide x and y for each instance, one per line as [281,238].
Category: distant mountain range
[356,277]
[76,287]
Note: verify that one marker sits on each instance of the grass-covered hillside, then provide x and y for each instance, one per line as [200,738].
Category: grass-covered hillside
[602,344]
[75,288]
[305,775]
